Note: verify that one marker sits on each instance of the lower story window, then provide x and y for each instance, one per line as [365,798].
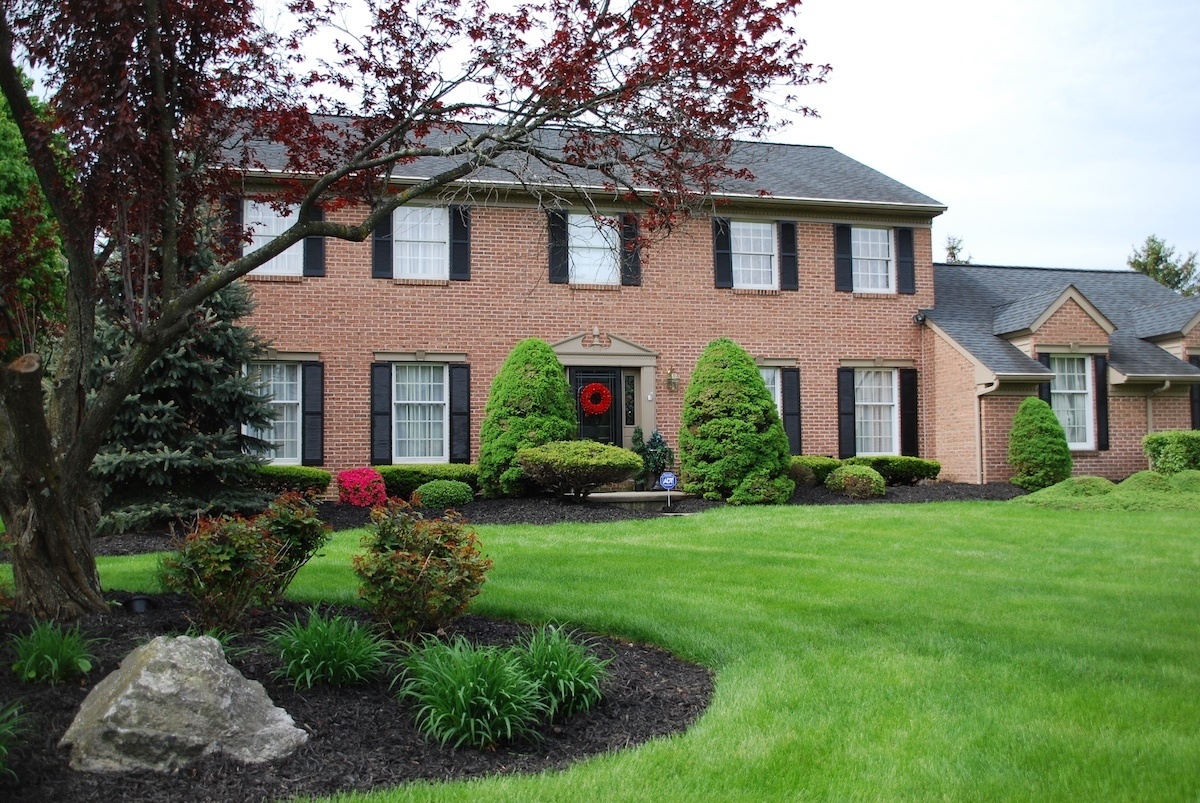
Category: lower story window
[771,378]
[876,412]
[420,426]
[1071,398]
[280,381]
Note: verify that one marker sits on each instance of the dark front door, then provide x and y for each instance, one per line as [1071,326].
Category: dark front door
[599,412]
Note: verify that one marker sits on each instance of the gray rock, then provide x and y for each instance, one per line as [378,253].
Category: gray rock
[172,701]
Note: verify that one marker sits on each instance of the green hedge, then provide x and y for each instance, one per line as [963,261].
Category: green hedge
[897,470]
[402,480]
[1173,451]
[820,467]
[281,479]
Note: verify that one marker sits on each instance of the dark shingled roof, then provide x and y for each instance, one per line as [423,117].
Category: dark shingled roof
[788,172]
[974,302]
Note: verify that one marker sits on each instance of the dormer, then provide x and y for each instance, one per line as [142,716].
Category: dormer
[1058,320]
[1170,325]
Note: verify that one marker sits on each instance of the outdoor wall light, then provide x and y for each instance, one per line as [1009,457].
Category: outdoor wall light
[672,380]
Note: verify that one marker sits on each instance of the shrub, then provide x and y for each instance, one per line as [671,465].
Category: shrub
[361,487]
[1083,486]
[899,469]
[50,654]
[224,567]
[403,480]
[443,494]
[530,404]
[1037,447]
[418,573]
[802,475]
[306,480]
[11,725]
[1150,481]
[568,676]
[821,467]
[1187,481]
[478,696]
[656,455]
[732,445]
[333,652]
[1172,452]
[857,482]
[292,525]
[577,467]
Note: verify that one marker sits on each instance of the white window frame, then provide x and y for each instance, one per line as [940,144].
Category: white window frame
[290,414]
[594,246]
[891,418]
[399,421]
[749,242]
[864,252]
[1061,397]
[421,242]
[265,223]
[771,378]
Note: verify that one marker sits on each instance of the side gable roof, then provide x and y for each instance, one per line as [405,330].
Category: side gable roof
[977,303]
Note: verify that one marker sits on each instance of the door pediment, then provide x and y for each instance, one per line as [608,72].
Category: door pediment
[592,348]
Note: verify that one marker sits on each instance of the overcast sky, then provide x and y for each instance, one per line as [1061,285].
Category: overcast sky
[1058,132]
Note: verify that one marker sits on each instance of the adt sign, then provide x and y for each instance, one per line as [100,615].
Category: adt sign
[668,480]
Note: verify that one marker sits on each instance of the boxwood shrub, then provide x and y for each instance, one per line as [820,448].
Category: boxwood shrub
[818,465]
[1173,451]
[307,480]
[443,494]
[899,470]
[857,482]
[577,467]
[402,480]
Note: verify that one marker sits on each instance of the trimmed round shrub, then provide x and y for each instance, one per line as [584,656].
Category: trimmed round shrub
[1037,447]
[732,445]
[530,404]
[443,494]
[820,466]
[1173,451]
[856,482]
[577,467]
[802,475]
[1151,481]
[1187,482]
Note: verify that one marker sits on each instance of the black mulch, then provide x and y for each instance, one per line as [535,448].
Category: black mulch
[362,738]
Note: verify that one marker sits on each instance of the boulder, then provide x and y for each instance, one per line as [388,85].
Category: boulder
[172,701]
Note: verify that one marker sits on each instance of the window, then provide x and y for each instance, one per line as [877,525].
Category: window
[753,249]
[876,412]
[264,225]
[1071,398]
[420,236]
[871,251]
[420,425]
[594,245]
[771,378]
[281,381]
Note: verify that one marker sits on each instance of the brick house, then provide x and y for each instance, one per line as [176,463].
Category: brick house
[384,351]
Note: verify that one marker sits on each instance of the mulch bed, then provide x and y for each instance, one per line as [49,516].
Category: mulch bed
[362,738]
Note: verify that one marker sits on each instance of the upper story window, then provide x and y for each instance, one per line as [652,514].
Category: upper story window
[1071,398]
[420,242]
[280,381]
[755,255]
[265,224]
[874,269]
[594,243]
[753,252]
[876,412]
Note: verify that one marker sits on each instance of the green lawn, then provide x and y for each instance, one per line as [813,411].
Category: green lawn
[981,651]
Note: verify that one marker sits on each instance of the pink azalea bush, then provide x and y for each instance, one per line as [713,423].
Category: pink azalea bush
[361,487]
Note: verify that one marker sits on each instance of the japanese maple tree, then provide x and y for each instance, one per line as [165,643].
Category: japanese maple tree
[156,111]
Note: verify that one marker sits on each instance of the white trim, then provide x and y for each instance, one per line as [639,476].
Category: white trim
[893,420]
[420,250]
[597,237]
[444,457]
[1089,401]
[891,261]
[772,240]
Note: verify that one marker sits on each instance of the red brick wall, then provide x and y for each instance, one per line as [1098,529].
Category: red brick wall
[346,316]
[1070,323]
[950,402]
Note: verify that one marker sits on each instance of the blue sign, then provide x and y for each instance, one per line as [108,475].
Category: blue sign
[668,480]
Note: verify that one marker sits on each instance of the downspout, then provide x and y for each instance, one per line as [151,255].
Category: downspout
[1150,405]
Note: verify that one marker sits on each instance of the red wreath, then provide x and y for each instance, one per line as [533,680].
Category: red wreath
[595,398]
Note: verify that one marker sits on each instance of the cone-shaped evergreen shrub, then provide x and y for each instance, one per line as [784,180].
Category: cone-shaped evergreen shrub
[530,404]
[732,445]
[1037,447]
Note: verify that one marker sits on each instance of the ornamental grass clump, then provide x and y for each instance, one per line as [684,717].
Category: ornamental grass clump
[856,482]
[50,654]
[568,675]
[333,651]
[418,574]
[476,696]
[1037,447]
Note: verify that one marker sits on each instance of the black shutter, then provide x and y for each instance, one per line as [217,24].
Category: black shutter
[381,413]
[1100,369]
[1044,387]
[631,251]
[560,246]
[312,413]
[234,222]
[460,243]
[906,262]
[722,253]
[789,381]
[1195,360]
[460,414]
[314,246]
[909,422]
[789,260]
[845,385]
[843,260]
[381,255]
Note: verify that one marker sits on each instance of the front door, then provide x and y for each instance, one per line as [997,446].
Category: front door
[599,411]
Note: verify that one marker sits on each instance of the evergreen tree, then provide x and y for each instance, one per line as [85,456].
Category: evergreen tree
[530,404]
[732,444]
[1037,447]
[176,447]
[1157,260]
